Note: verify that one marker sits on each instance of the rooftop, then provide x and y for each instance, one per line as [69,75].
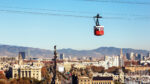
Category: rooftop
[102,78]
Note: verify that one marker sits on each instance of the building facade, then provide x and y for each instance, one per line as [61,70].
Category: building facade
[26,71]
[22,55]
[137,68]
[62,56]
[95,80]
[102,80]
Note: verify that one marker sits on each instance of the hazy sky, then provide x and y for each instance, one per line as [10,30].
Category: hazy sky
[130,30]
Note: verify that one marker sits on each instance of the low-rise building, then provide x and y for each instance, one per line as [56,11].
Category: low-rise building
[84,80]
[20,71]
[137,68]
[116,77]
[95,80]
[102,80]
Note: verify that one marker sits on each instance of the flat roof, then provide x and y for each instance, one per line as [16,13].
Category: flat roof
[102,78]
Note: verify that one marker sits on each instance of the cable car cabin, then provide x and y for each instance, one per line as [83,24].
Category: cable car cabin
[98,30]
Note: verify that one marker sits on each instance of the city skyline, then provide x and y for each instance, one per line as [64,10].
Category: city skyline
[125,25]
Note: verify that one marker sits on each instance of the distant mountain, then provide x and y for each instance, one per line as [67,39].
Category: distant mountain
[12,51]
[7,50]
[116,51]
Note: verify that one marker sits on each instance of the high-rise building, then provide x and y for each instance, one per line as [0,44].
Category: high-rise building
[140,56]
[110,61]
[121,60]
[136,56]
[20,60]
[148,55]
[90,58]
[22,54]
[130,56]
[62,56]
[69,57]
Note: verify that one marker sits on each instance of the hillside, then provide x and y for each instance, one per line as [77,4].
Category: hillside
[12,51]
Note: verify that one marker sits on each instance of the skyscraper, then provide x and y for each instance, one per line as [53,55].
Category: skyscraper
[62,56]
[141,56]
[132,56]
[121,60]
[148,55]
[128,56]
[136,56]
[22,54]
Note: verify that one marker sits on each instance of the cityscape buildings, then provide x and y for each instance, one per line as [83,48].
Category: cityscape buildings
[22,70]
[110,70]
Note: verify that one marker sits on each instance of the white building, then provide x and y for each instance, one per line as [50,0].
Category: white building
[20,71]
[108,62]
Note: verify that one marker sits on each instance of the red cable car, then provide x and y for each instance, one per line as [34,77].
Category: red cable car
[98,29]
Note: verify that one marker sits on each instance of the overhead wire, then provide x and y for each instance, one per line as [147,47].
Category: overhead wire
[119,1]
[119,15]
[68,11]
[66,15]
[41,13]
[45,9]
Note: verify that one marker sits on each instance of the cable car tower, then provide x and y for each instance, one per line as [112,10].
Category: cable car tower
[98,29]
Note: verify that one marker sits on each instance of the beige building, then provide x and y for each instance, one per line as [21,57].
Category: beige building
[137,68]
[84,80]
[4,66]
[102,80]
[118,77]
[20,71]
[68,65]
[95,80]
